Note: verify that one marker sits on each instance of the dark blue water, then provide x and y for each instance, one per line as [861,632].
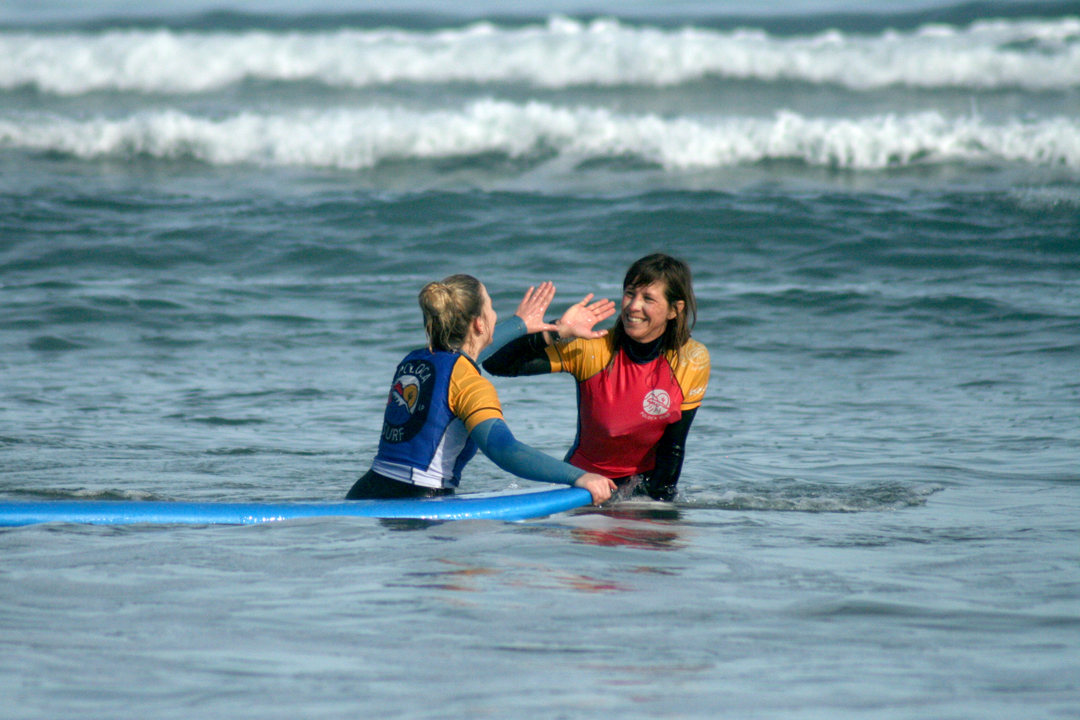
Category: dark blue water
[212,232]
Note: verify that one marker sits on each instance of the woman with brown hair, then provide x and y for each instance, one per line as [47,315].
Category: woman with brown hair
[638,388]
[440,409]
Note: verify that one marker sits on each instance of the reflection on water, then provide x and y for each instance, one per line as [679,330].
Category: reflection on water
[409,524]
[643,524]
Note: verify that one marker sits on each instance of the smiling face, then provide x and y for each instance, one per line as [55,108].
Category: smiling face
[646,311]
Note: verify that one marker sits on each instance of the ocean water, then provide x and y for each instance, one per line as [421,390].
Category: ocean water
[213,227]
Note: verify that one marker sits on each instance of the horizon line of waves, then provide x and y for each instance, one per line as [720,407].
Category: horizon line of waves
[1039,55]
[536,132]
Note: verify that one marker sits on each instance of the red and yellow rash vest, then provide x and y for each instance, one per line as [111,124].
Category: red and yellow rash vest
[435,401]
[624,407]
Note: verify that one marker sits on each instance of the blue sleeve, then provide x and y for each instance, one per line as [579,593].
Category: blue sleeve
[493,436]
[505,332]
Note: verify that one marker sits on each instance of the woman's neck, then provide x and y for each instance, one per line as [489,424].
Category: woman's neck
[473,346]
[642,352]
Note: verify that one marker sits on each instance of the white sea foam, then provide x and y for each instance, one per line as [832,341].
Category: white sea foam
[354,139]
[1036,55]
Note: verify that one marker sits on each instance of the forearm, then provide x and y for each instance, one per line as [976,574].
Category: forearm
[670,451]
[505,332]
[525,355]
[495,440]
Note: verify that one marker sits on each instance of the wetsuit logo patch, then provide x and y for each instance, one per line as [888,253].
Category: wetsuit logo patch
[657,403]
[695,355]
[406,391]
[409,401]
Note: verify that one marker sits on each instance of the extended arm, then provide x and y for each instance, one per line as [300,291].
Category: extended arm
[494,438]
[505,332]
[662,482]
[527,356]
[529,318]
[521,356]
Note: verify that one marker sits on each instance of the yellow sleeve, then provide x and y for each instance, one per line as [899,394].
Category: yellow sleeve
[472,397]
[692,372]
[581,358]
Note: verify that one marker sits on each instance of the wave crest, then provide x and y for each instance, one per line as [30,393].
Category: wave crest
[1033,55]
[358,139]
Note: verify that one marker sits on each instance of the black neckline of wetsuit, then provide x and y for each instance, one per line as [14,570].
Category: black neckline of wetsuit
[642,353]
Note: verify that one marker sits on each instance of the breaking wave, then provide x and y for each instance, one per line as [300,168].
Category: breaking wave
[363,138]
[564,52]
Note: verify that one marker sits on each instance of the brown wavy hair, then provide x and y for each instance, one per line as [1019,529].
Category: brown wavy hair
[678,286]
[449,306]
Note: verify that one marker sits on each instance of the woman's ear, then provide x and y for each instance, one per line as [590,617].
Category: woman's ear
[676,309]
[478,326]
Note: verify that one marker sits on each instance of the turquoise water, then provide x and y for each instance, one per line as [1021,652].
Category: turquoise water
[212,232]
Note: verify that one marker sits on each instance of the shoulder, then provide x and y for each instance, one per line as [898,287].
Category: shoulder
[582,358]
[607,342]
[466,375]
[694,355]
[691,366]
[464,366]
[472,397]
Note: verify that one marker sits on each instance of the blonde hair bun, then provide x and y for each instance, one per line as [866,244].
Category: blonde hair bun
[449,306]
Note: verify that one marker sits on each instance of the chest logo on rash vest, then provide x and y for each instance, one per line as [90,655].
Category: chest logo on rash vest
[409,400]
[657,403]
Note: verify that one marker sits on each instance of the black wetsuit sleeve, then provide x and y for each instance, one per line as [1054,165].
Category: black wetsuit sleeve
[523,356]
[505,332]
[662,482]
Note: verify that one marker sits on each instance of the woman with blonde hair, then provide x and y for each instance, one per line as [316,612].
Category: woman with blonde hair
[440,409]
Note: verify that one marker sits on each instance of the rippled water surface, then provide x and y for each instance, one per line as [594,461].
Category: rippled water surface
[208,269]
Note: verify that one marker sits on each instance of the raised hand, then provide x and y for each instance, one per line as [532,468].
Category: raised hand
[534,305]
[579,319]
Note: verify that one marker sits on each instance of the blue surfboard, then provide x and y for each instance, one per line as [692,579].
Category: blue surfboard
[480,506]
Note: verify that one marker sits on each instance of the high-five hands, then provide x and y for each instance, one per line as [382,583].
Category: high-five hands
[577,322]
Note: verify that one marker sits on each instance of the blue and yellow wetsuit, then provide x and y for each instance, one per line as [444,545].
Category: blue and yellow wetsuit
[439,411]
